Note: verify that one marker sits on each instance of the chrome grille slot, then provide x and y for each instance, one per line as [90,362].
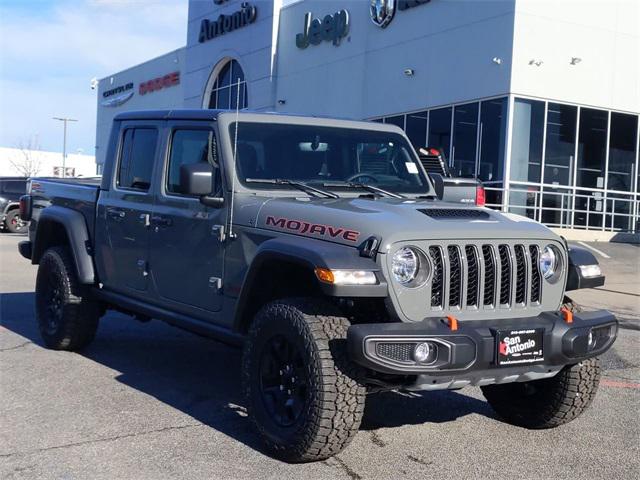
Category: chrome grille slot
[473,276]
[521,275]
[505,274]
[536,280]
[489,275]
[455,276]
[437,284]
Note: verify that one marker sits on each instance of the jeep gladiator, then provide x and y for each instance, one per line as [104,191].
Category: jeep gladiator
[321,248]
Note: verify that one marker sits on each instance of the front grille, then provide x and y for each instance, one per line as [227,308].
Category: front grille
[505,274]
[437,284]
[455,280]
[454,213]
[484,276]
[473,276]
[521,275]
[400,352]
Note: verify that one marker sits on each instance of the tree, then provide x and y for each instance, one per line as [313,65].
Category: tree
[28,163]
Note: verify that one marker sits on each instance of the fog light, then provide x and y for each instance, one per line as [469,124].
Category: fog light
[421,352]
[590,271]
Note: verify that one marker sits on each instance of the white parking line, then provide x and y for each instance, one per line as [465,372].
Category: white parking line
[599,252]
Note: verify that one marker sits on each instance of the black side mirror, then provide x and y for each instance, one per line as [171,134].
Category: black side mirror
[197,179]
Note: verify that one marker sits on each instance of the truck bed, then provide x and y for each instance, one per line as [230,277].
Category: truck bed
[80,194]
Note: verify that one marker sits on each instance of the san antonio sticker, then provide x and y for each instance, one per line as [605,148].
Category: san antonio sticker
[520,346]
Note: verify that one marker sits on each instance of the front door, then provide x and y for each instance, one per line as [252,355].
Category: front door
[186,247]
[124,211]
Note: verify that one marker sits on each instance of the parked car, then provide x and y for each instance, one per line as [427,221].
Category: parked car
[11,189]
[321,248]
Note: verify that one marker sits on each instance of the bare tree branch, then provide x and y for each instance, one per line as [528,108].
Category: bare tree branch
[29,163]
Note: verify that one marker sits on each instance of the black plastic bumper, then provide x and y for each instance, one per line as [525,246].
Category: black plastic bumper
[473,346]
[25,249]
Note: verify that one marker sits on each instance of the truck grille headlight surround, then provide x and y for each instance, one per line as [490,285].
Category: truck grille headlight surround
[410,267]
[346,277]
[550,263]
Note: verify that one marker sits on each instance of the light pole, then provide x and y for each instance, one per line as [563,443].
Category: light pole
[64,143]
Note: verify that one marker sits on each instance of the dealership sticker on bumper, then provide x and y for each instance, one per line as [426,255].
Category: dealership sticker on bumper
[520,346]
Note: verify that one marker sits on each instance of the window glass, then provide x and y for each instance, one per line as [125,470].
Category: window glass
[440,129]
[13,186]
[225,94]
[592,148]
[622,151]
[416,129]
[465,130]
[588,208]
[556,207]
[188,147]
[561,141]
[326,156]
[493,129]
[526,144]
[137,157]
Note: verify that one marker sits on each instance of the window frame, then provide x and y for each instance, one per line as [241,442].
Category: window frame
[167,159]
[118,164]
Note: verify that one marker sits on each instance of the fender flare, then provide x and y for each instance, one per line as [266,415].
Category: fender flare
[75,226]
[310,253]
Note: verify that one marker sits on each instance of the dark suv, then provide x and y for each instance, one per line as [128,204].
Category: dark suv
[11,189]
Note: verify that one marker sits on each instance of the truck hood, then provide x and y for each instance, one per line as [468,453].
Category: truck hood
[351,221]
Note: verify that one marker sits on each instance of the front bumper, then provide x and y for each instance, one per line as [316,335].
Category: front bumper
[469,354]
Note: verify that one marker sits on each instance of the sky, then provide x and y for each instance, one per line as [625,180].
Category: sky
[51,49]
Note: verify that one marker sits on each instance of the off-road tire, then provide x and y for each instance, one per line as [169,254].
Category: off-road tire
[550,402]
[14,223]
[67,318]
[334,398]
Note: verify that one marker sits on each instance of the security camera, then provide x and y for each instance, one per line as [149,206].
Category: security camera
[94,83]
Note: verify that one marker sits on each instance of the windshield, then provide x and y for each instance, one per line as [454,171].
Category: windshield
[326,156]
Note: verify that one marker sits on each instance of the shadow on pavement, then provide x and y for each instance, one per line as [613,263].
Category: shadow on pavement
[201,377]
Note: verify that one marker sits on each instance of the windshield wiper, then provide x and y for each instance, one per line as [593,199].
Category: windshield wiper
[294,183]
[364,186]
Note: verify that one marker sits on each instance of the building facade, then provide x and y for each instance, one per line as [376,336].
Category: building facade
[539,99]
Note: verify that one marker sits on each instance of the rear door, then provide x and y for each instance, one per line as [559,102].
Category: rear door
[124,211]
[186,249]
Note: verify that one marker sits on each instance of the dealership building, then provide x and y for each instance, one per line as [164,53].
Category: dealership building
[539,99]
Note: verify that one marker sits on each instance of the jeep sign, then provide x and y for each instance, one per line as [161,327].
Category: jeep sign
[332,28]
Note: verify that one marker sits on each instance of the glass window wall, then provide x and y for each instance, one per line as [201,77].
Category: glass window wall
[440,130]
[493,130]
[465,137]
[527,140]
[622,151]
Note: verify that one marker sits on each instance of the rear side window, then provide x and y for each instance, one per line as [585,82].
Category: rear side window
[137,157]
[13,186]
[188,147]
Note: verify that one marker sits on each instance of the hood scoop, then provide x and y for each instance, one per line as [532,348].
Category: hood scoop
[455,213]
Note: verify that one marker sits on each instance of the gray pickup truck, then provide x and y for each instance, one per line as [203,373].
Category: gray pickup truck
[320,247]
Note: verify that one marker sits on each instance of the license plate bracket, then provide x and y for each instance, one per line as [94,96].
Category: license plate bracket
[518,347]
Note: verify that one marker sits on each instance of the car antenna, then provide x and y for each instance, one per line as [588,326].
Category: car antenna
[235,154]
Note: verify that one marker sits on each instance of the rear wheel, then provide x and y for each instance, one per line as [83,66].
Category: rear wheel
[14,223]
[550,402]
[301,388]
[67,318]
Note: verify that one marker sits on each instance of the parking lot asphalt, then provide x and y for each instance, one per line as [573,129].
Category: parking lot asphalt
[148,401]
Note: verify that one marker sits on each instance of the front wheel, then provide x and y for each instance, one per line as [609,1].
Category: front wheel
[301,388]
[550,402]
[14,223]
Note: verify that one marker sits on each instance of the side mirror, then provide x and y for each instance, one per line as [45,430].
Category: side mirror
[197,179]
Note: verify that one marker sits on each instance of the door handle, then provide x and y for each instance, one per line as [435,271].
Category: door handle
[160,221]
[116,213]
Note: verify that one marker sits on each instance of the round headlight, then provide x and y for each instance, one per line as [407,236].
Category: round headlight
[405,265]
[548,262]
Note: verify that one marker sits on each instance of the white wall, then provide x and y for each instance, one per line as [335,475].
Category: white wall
[449,44]
[169,97]
[46,162]
[250,45]
[604,34]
